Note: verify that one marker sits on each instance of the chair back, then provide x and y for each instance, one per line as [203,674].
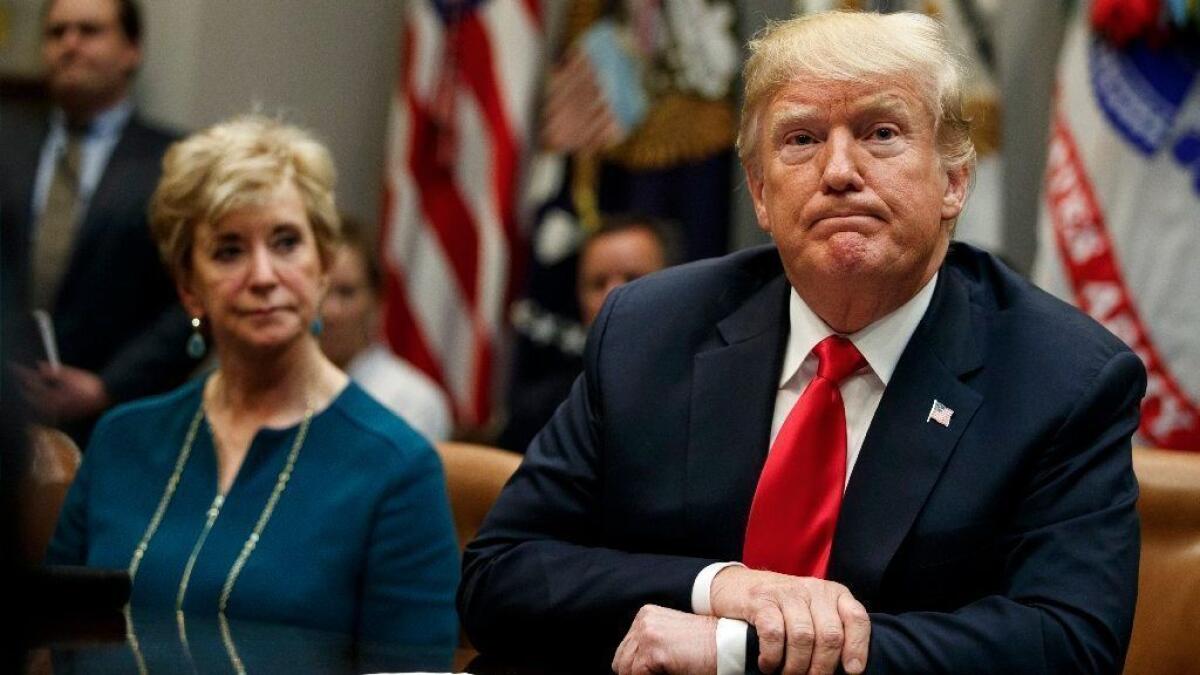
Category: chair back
[53,460]
[1166,628]
[475,474]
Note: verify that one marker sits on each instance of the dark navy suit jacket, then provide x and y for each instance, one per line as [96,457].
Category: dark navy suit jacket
[116,311]
[1006,542]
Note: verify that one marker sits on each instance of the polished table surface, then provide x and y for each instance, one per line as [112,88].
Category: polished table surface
[150,642]
[166,642]
[73,620]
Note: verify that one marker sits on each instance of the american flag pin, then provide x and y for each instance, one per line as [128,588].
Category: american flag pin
[940,413]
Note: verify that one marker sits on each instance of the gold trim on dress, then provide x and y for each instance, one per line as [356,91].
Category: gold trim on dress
[213,511]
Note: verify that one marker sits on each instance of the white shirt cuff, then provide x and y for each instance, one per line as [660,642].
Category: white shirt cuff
[731,647]
[702,588]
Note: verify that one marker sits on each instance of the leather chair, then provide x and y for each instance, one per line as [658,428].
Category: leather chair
[53,460]
[475,474]
[1166,628]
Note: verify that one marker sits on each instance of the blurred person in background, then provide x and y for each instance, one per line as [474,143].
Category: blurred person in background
[622,249]
[74,183]
[349,337]
[273,489]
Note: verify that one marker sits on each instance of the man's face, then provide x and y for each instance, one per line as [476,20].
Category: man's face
[89,59]
[849,184]
[611,260]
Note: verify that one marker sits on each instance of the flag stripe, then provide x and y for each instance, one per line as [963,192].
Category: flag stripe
[517,71]
[478,72]
[442,206]
[518,75]
[475,167]
[423,48]
[462,111]
[433,298]
[403,331]
[423,325]
[534,10]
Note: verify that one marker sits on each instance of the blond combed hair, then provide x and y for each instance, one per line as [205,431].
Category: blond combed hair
[238,163]
[844,46]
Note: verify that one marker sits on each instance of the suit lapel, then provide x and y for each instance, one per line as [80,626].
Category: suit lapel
[733,396]
[25,163]
[904,453]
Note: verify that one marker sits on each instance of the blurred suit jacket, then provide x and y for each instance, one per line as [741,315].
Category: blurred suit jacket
[1005,542]
[116,311]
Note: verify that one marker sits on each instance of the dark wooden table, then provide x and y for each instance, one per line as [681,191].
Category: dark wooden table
[72,620]
[162,643]
[166,643]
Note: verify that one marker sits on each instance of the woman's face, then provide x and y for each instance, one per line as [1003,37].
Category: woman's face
[257,276]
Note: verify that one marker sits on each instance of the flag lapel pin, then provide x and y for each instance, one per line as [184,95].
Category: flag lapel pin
[940,413]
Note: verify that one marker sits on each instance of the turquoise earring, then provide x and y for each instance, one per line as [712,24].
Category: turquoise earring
[316,326]
[195,343]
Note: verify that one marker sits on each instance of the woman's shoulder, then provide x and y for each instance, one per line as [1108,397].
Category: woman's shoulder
[377,432]
[146,413]
[145,422]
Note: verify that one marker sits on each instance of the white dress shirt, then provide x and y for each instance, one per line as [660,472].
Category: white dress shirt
[881,344]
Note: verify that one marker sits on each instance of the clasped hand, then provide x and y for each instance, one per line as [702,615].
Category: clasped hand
[61,394]
[805,626]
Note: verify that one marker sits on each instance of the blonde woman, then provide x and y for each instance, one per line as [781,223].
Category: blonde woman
[274,488]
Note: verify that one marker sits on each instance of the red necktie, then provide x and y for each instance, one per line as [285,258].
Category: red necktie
[799,494]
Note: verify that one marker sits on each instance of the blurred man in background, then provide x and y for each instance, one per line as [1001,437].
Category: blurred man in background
[623,249]
[74,184]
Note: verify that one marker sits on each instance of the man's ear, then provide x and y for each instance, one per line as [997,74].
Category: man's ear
[757,187]
[958,181]
[133,59]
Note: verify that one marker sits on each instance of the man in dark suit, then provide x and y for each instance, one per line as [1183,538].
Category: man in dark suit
[876,449]
[74,188]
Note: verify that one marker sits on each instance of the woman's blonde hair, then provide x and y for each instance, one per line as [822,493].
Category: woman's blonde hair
[234,164]
[857,46]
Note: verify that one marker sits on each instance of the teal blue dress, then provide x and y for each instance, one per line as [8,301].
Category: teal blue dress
[360,542]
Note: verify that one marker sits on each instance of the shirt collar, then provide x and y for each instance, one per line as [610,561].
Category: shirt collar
[880,343]
[108,123]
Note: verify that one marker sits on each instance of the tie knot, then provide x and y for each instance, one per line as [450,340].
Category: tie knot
[837,358]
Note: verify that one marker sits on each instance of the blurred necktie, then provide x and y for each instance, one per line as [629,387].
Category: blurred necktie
[799,494]
[56,230]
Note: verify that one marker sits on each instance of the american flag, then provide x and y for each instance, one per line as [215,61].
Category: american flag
[940,413]
[461,121]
